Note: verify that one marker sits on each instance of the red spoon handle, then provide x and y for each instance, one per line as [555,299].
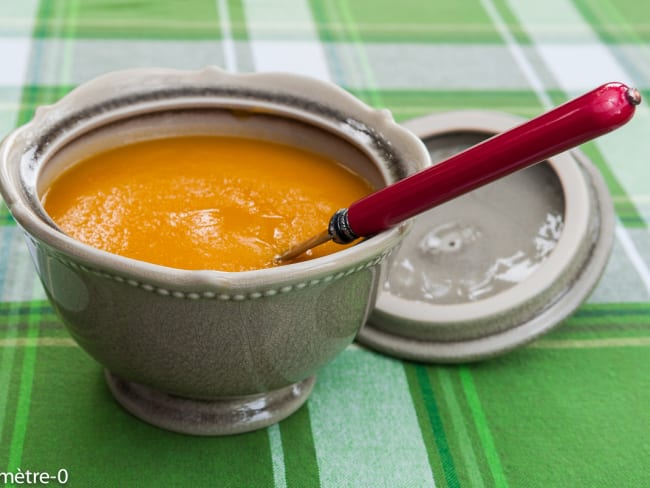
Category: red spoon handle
[575,122]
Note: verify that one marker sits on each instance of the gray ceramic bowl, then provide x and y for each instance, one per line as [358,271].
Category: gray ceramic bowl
[205,352]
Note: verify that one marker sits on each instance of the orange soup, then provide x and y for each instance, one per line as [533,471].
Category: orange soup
[202,202]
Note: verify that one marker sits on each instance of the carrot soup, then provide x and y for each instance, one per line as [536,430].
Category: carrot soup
[202,202]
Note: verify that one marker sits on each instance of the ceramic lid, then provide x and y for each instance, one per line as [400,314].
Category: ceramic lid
[496,268]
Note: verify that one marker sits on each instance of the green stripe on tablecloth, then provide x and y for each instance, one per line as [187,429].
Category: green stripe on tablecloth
[66,29]
[626,210]
[29,102]
[75,424]
[16,319]
[572,414]
[592,343]
[33,96]
[320,10]
[625,163]
[437,424]
[343,11]
[39,308]
[426,426]
[24,397]
[610,335]
[5,216]
[483,428]
[416,21]
[603,329]
[462,438]
[172,19]
[606,320]
[238,20]
[39,342]
[69,34]
[42,24]
[620,22]
[338,66]
[406,104]
[352,62]
[300,463]
[7,375]
[431,425]
[625,312]
[510,21]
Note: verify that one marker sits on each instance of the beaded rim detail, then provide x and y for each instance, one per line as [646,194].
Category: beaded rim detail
[194,295]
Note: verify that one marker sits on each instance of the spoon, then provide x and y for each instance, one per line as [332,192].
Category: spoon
[577,121]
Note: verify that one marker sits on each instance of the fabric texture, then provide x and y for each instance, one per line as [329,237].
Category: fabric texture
[571,409]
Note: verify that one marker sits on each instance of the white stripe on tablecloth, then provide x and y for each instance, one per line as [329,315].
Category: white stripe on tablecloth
[572,51]
[304,55]
[527,69]
[14,50]
[15,56]
[364,424]
[277,456]
[18,277]
[227,42]
[634,255]
[15,59]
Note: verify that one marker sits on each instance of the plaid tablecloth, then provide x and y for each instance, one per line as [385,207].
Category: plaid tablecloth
[572,409]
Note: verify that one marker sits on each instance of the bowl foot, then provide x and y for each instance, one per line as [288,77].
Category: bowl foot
[228,415]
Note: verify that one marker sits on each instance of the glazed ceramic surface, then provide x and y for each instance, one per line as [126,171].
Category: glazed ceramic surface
[247,344]
[497,267]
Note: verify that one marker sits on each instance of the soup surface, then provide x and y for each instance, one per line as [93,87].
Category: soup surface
[202,202]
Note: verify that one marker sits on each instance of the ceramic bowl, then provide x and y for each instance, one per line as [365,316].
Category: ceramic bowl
[205,352]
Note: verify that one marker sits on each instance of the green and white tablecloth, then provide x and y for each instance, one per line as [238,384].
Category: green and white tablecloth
[570,410]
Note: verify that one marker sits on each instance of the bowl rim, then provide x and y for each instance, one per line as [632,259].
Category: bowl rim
[167,280]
